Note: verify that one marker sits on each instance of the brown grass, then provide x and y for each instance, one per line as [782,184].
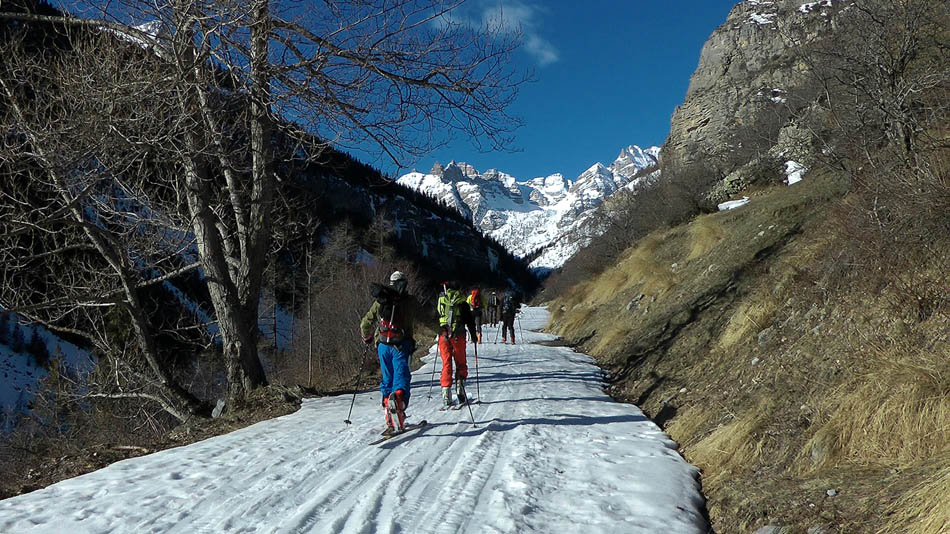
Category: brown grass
[750,317]
[733,447]
[925,509]
[899,413]
[611,336]
[704,233]
[640,266]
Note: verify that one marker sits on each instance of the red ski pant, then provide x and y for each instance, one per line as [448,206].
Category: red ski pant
[452,348]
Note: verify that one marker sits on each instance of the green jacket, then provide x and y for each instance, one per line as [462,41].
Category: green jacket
[370,321]
[453,304]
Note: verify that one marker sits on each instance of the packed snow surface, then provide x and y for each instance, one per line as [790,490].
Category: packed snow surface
[550,452]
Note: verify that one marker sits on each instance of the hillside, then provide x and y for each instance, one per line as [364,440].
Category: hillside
[796,345]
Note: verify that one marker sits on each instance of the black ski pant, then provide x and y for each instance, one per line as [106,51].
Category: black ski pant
[508,325]
[478,322]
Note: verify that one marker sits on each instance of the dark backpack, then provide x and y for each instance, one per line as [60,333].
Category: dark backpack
[508,305]
[391,315]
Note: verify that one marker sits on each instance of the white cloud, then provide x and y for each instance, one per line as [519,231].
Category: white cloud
[513,16]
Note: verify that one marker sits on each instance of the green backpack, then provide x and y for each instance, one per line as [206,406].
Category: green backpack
[449,309]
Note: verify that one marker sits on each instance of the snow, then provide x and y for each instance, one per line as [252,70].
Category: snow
[761,18]
[814,6]
[733,204]
[551,453]
[20,377]
[149,36]
[794,172]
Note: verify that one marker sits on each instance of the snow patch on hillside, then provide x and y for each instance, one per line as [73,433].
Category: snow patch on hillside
[20,377]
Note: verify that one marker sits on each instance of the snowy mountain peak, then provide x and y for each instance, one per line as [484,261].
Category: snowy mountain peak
[540,213]
[633,159]
[459,171]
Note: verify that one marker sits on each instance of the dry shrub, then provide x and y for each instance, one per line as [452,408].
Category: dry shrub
[704,233]
[733,447]
[925,509]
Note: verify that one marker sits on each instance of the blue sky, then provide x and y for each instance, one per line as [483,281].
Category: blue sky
[609,73]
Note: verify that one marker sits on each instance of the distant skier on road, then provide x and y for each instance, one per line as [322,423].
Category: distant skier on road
[493,307]
[511,303]
[475,303]
[454,316]
[389,323]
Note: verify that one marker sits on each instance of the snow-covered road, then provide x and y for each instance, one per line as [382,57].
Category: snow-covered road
[550,453]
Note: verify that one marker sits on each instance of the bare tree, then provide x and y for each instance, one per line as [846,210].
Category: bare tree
[257,81]
[80,239]
[880,79]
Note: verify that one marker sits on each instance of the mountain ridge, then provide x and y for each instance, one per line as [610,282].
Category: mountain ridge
[543,213]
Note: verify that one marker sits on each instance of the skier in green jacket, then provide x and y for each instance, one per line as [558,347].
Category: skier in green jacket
[389,323]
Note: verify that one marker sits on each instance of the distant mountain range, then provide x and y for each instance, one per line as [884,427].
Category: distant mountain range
[542,214]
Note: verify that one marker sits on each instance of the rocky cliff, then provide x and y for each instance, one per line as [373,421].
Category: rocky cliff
[747,88]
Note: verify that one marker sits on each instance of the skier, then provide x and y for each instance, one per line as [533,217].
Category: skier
[475,303]
[492,306]
[454,316]
[509,307]
[388,323]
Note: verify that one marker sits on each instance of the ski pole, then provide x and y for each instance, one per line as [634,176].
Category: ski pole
[520,329]
[359,380]
[432,376]
[478,390]
[469,404]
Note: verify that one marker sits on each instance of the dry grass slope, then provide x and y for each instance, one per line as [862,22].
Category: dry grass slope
[790,369]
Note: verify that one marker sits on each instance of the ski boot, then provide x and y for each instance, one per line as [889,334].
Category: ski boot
[396,414]
[446,397]
[504,340]
[390,429]
[460,391]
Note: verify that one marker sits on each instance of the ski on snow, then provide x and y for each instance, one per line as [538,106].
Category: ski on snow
[407,429]
[461,405]
[458,406]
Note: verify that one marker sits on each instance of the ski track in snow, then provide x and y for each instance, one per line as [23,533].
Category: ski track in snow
[551,452]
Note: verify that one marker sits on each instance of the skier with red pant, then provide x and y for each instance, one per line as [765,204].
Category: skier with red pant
[389,323]
[455,315]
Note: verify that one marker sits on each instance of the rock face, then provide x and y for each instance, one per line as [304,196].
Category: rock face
[540,213]
[748,75]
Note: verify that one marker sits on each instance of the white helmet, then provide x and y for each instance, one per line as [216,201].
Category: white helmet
[399,282]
